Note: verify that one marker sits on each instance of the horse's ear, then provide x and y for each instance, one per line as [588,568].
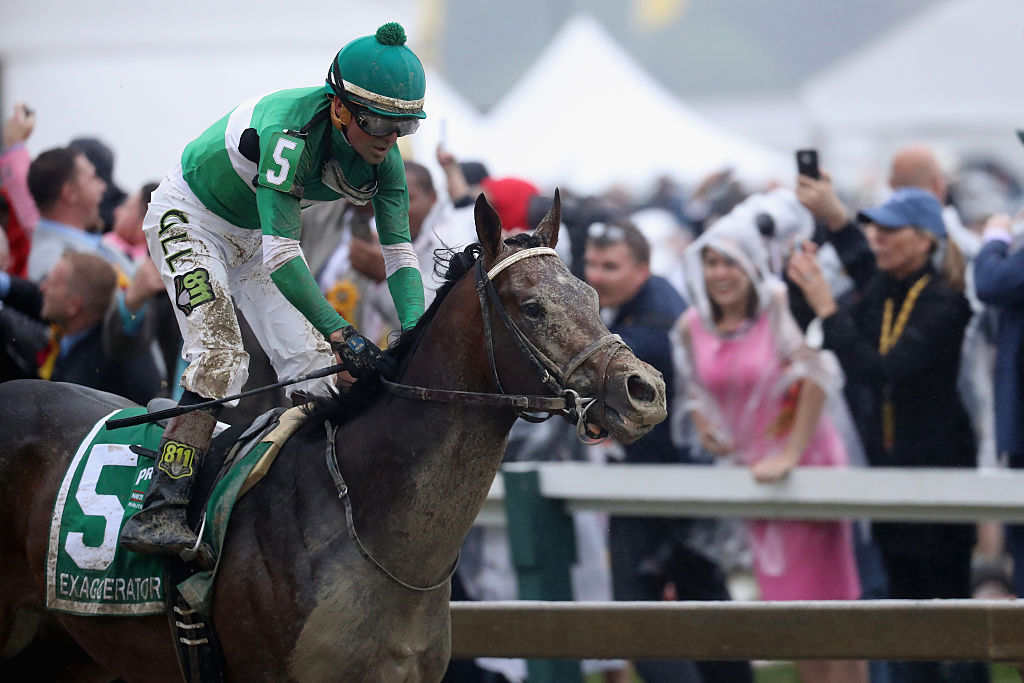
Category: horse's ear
[549,225]
[488,228]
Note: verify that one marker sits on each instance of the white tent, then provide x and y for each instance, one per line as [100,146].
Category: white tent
[451,121]
[949,76]
[587,116]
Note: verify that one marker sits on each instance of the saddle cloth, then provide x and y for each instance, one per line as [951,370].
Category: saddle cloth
[87,573]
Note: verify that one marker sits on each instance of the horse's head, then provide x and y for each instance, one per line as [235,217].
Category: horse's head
[556,340]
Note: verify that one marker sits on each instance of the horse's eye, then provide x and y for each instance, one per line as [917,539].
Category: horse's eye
[532,310]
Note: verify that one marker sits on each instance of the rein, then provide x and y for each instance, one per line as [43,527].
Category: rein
[564,401]
[339,483]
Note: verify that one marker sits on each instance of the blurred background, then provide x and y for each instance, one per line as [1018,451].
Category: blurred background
[592,96]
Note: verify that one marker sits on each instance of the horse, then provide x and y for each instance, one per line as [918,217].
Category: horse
[351,579]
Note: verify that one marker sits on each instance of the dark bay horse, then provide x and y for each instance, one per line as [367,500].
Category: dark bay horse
[297,598]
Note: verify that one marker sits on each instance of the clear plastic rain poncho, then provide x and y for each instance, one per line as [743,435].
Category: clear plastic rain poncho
[743,423]
[779,217]
[785,223]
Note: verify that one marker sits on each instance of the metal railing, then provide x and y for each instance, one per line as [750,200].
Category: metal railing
[950,495]
[536,500]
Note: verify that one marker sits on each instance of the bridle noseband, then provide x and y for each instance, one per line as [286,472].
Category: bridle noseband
[564,401]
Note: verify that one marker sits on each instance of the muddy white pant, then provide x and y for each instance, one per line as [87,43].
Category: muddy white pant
[207,264]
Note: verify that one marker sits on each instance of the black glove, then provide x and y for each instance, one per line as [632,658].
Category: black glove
[359,355]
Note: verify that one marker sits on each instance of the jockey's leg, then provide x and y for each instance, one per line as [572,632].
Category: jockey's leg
[292,344]
[161,525]
[197,253]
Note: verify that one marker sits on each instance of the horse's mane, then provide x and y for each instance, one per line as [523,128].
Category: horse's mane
[339,408]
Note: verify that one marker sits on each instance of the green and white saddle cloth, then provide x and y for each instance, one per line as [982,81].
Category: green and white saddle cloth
[87,572]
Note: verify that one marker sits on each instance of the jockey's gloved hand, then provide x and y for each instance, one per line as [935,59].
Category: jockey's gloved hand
[360,356]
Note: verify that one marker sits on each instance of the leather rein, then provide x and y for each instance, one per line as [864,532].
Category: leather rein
[563,401]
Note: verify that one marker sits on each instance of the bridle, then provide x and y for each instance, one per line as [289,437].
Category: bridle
[564,401]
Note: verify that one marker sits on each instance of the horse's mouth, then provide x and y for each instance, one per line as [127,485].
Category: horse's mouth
[626,429]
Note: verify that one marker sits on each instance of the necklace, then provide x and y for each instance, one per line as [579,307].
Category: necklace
[891,334]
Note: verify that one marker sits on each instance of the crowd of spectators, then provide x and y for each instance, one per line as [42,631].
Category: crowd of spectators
[793,328]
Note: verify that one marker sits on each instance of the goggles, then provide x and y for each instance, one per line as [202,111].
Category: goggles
[381,126]
[370,123]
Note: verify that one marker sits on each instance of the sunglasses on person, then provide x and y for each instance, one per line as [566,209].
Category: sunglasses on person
[606,233]
[381,126]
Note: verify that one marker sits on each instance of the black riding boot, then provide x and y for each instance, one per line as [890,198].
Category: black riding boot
[160,526]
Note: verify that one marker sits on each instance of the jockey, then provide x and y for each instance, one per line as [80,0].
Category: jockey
[223,227]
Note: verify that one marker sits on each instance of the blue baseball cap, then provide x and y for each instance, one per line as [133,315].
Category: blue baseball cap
[908,206]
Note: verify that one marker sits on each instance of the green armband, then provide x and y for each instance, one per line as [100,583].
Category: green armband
[406,289]
[298,286]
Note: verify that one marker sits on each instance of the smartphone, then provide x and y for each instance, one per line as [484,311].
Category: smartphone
[807,163]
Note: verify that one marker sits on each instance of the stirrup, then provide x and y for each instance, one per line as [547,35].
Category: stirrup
[142,532]
[201,553]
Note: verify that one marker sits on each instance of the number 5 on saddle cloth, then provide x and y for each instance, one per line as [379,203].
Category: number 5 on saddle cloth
[87,572]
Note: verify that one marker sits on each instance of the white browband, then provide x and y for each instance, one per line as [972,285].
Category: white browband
[519,256]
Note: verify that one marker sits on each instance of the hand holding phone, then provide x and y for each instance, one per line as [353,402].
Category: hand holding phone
[807,163]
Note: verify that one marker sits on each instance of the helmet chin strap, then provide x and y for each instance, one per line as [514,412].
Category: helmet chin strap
[340,119]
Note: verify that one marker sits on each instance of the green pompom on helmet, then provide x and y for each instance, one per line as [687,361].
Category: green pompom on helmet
[380,73]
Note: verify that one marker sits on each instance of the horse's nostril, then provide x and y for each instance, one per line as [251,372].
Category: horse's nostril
[640,390]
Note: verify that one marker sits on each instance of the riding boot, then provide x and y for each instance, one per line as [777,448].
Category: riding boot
[161,526]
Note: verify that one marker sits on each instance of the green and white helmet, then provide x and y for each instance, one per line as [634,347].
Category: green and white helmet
[380,73]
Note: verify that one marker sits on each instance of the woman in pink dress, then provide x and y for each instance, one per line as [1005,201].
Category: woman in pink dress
[757,392]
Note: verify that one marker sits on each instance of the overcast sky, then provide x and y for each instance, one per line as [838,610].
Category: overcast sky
[699,48]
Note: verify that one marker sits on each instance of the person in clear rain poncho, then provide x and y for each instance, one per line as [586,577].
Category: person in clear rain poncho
[757,393]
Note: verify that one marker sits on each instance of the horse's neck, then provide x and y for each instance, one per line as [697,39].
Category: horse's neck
[424,469]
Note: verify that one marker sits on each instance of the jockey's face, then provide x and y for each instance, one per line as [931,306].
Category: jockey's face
[371,148]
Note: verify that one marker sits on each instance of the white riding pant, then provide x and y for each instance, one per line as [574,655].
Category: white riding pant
[206,264]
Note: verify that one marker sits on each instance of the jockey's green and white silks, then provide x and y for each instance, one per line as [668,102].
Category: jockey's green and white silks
[264,194]
[210,266]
